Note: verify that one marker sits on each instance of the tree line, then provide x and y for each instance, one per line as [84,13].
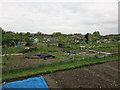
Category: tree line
[10,38]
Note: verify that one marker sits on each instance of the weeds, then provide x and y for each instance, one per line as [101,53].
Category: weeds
[55,66]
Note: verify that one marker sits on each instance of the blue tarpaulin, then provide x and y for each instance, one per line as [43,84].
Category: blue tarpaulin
[36,82]
[17,46]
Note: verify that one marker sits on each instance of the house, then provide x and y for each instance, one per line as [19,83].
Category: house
[98,41]
[35,40]
[78,38]
[105,40]
[48,39]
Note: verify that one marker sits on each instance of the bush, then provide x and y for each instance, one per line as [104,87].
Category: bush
[43,48]
[67,46]
[82,42]
[24,51]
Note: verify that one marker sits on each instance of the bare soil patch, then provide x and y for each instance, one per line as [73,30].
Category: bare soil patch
[95,76]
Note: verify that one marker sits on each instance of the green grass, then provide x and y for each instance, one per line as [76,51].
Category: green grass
[5,59]
[12,50]
[7,75]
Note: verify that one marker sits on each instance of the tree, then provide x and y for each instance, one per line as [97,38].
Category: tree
[1,30]
[87,37]
[96,33]
[57,34]
[96,36]
[39,33]
[28,33]
[28,41]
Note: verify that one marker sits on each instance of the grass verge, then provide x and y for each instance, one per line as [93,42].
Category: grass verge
[7,75]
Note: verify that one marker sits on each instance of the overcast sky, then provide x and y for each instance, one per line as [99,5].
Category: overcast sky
[64,17]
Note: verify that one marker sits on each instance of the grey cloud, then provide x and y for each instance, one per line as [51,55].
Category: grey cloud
[64,17]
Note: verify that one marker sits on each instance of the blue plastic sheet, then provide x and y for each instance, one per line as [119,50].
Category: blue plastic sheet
[17,46]
[36,82]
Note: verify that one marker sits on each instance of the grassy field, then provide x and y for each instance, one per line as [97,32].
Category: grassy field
[10,62]
[26,67]
[7,75]
[42,48]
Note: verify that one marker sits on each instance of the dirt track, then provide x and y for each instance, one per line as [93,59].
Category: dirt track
[96,76]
